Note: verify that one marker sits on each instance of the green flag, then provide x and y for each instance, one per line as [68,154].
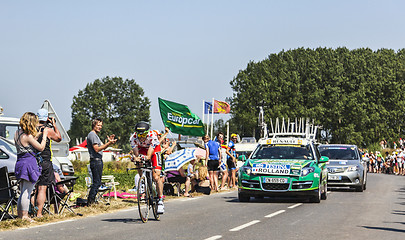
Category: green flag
[179,119]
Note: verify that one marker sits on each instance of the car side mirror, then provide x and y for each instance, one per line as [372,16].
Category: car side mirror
[242,158]
[324,159]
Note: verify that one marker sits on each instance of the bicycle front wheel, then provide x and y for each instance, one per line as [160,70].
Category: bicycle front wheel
[155,199]
[143,198]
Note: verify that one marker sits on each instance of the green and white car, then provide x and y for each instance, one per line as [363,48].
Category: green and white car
[284,166]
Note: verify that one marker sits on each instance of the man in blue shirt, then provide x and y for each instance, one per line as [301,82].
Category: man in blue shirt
[213,156]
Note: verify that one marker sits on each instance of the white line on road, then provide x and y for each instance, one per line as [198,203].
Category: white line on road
[190,199]
[244,226]
[275,213]
[214,237]
[294,206]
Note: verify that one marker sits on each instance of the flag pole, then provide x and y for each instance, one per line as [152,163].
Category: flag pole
[203,113]
[212,119]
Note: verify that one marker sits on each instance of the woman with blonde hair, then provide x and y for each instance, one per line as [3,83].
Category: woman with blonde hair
[203,183]
[26,167]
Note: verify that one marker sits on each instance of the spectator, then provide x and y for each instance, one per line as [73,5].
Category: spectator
[26,167]
[179,177]
[96,147]
[222,167]
[213,155]
[47,173]
[231,161]
[202,183]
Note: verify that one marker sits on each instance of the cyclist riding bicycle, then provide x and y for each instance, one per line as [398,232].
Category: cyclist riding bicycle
[146,146]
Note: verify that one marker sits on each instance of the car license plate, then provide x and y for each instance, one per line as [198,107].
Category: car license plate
[332,177]
[275,180]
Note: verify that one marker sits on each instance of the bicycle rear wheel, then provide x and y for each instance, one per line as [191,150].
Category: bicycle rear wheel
[155,199]
[143,199]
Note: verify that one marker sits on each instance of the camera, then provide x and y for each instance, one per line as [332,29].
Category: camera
[49,122]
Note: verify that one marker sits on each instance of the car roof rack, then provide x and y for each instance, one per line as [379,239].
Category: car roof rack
[300,128]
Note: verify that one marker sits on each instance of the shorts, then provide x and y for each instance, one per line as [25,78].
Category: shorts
[231,164]
[401,164]
[156,158]
[47,174]
[213,165]
[179,179]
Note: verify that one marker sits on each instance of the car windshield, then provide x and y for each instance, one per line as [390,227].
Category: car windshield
[8,145]
[339,153]
[283,152]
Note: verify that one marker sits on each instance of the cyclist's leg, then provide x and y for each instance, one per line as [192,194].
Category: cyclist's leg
[158,181]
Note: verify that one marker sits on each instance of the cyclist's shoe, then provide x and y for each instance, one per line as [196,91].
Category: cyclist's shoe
[161,207]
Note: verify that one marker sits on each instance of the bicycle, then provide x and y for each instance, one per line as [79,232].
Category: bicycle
[147,192]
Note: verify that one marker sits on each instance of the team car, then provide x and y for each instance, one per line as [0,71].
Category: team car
[285,164]
[346,167]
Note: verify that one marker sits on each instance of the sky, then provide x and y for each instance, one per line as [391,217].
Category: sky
[182,51]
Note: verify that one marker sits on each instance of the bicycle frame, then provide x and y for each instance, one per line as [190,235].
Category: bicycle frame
[147,193]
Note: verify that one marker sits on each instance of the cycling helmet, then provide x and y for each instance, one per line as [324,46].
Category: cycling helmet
[141,127]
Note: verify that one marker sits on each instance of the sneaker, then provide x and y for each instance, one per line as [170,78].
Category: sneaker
[161,207]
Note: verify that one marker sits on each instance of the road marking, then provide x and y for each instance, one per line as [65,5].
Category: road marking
[275,214]
[214,237]
[129,209]
[294,206]
[190,199]
[244,226]
[47,224]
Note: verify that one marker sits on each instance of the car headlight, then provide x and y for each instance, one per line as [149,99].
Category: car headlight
[247,170]
[353,168]
[307,170]
[65,167]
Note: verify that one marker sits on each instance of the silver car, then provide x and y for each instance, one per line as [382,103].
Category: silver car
[346,168]
[8,154]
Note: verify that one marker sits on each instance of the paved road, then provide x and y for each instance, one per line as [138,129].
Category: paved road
[377,213]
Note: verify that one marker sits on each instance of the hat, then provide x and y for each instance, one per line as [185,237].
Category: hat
[42,114]
[233,135]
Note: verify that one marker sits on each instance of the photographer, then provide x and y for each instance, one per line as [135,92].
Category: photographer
[47,174]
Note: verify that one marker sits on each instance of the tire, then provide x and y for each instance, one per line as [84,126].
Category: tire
[155,200]
[324,195]
[317,198]
[143,202]
[365,183]
[243,197]
[359,189]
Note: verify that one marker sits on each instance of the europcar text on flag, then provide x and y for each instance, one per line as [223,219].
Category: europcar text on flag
[179,119]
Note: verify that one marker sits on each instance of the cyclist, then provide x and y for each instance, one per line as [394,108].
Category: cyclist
[146,146]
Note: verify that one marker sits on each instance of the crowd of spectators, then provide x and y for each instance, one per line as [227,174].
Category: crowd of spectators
[389,163]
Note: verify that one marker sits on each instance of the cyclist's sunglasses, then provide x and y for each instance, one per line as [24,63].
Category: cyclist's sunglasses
[142,135]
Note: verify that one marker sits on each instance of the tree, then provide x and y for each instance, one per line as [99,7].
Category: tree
[356,95]
[119,103]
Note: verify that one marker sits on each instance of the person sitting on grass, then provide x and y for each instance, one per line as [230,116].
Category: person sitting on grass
[179,177]
[202,183]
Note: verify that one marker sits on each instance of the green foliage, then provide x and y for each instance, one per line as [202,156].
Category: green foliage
[115,168]
[356,95]
[119,103]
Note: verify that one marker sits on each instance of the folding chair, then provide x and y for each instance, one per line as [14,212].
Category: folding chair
[101,190]
[60,200]
[7,195]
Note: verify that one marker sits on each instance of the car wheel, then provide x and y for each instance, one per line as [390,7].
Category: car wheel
[317,197]
[359,189]
[243,197]
[324,195]
[365,183]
